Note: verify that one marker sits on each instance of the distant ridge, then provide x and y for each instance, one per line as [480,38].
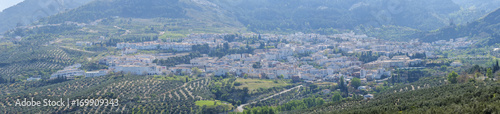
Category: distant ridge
[30,11]
[485,29]
[275,15]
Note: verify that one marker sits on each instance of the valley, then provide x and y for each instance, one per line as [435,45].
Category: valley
[252,56]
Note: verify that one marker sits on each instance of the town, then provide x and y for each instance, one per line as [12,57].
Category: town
[311,58]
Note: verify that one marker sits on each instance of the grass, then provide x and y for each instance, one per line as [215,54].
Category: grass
[175,77]
[253,84]
[171,35]
[210,103]
[327,84]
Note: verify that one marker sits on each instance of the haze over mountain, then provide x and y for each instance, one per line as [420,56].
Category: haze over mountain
[8,3]
[320,16]
[486,29]
[263,15]
[486,5]
[29,11]
[196,10]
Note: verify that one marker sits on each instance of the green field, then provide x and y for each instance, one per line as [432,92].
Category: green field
[253,84]
[210,103]
[326,84]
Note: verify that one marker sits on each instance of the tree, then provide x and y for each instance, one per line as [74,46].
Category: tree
[313,87]
[226,46]
[342,85]
[2,80]
[496,67]
[443,67]
[463,78]
[356,82]
[281,76]
[393,80]
[489,73]
[262,45]
[245,94]
[336,97]
[230,38]
[245,76]
[257,65]
[196,71]
[452,77]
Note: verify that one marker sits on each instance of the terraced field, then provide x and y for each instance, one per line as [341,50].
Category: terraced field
[22,62]
[135,93]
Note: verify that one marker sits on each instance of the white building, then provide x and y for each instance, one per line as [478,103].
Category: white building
[35,78]
[68,73]
[129,51]
[155,45]
[96,73]
[80,43]
[140,69]
[368,96]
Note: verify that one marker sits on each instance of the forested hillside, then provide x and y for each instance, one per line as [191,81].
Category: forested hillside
[311,15]
[319,16]
[486,5]
[122,8]
[30,11]
[187,10]
[485,28]
[276,16]
[432,95]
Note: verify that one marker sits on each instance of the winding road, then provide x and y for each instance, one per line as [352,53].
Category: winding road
[240,108]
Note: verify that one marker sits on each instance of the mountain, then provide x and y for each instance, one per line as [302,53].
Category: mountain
[30,11]
[263,16]
[8,3]
[486,5]
[471,10]
[194,10]
[276,15]
[307,15]
[486,29]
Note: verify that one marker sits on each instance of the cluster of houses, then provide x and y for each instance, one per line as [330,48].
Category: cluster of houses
[155,45]
[321,62]
[184,46]
[73,71]
[135,64]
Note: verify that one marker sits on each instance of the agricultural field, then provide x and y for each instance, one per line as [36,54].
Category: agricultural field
[165,28]
[212,104]
[136,93]
[43,60]
[427,96]
[326,84]
[254,84]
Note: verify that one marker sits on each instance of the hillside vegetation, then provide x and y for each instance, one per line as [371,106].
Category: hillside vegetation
[427,96]
[485,28]
[275,16]
[136,94]
[29,11]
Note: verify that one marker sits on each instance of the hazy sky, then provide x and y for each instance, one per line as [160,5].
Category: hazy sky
[7,3]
